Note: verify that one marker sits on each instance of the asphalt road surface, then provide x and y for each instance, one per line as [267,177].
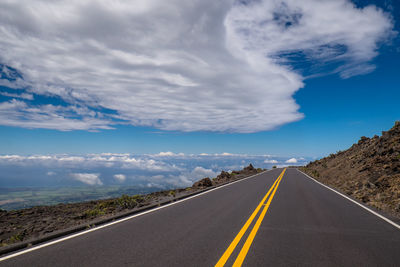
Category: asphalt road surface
[277,218]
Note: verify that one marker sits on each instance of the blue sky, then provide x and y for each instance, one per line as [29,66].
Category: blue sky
[250,84]
[335,117]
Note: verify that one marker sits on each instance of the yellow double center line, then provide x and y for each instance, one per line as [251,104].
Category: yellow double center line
[243,252]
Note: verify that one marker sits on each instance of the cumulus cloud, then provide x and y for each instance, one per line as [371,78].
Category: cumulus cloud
[214,66]
[87,178]
[120,177]
[292,160]
[272,161]
[169,154]
[201,172]
[187,177]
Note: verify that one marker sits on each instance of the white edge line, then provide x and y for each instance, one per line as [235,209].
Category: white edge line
[355,202]
[120,220]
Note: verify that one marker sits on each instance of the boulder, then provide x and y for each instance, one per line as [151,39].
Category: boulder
[249,169]
[205,182]
[224,176]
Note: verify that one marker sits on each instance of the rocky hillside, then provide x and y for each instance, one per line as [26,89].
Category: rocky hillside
[368,171]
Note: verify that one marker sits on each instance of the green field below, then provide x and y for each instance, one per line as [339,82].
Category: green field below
[20,198]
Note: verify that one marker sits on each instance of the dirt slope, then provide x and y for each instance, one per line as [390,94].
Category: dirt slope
[368,171]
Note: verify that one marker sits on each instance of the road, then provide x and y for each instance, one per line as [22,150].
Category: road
[277,218]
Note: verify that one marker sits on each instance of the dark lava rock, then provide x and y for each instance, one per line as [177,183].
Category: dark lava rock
[205,182]
[249,168]
[224,175]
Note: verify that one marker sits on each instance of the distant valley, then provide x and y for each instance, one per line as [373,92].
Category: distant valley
[27,197]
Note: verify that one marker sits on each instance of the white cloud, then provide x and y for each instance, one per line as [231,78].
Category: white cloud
[154,185]
[200,172]
[169,154]
[87,178]
[120,177]
[324,31]
[179,181]
[18,113]
[11,158]
[224,154]
[215,66]
[157,177]
[71,158]
[272,161]
[186,178]
[124,161]
[292,160]
[23,95]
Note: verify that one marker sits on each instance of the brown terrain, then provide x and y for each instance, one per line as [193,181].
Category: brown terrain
[29,224]
[369,171]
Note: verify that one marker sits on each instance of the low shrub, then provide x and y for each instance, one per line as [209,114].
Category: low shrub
[129,202]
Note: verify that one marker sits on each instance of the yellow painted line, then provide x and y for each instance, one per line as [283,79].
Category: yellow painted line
[242,231]
[243,252]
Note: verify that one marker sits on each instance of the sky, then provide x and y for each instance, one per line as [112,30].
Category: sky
[214,85]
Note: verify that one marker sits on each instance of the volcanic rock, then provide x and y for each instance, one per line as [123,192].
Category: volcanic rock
[205,182]
[368,171]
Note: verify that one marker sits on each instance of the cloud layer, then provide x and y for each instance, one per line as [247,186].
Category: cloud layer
[190,66]
[173,170]
[87,178]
